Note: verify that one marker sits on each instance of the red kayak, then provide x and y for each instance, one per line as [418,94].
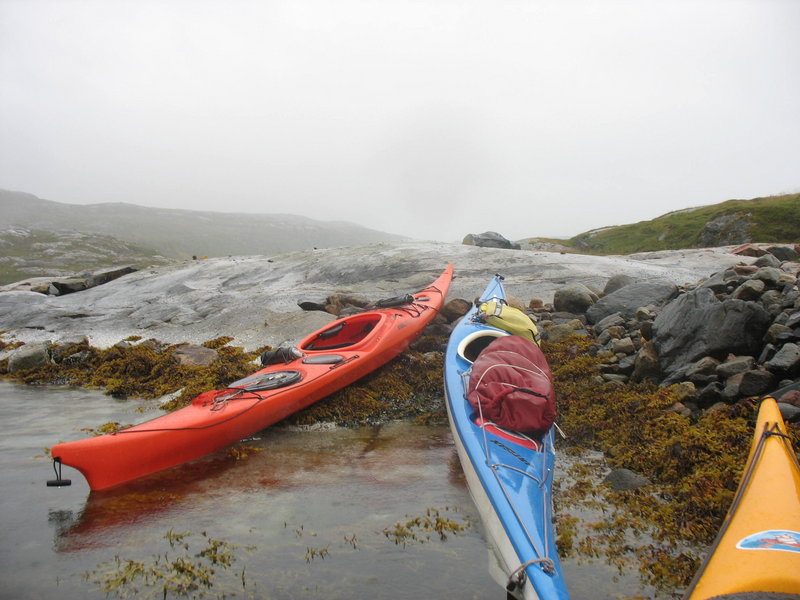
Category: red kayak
[322,363]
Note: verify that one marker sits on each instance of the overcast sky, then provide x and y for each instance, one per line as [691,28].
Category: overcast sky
[427,118]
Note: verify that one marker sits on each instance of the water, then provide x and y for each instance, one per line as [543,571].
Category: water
[312,506]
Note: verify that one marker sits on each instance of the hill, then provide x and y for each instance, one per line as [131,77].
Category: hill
[774,219]
[30,253]
[184,233]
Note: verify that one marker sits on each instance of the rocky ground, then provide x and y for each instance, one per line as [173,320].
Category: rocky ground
[255,299]
[724,324]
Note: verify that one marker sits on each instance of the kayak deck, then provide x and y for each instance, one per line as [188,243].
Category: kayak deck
[758,546]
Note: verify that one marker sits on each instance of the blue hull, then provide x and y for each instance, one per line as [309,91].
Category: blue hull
[509,478]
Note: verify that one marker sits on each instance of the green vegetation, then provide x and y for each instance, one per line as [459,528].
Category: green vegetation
[769,220]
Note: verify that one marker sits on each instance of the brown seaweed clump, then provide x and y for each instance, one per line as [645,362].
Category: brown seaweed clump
[145,369]
[694,463]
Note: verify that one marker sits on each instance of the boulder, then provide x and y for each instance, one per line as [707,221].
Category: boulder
[489,239]
[748,383]
[104,276]
[625,479]
[612,320]
[749,250]
[696,325]
[725,230]
[789,413]
[769,275]
[767,260]
[455,309]
[646,366]
[29,357]
[783,253]
[786,360]
[191,355]
[749,290]
[719,282]
[631,297]
[734,365]
[575,298]
[703,371]
[69,285]
[616,282]
[563,330]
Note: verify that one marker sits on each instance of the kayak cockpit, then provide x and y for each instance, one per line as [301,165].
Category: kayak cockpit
[476,342]
[346,332]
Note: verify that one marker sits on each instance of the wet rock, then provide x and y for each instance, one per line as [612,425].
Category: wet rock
[455,309]
[561,331]
[103,276]
[748,383]
[783,253]
[789,412]
[685,391]
[646,364]
[69,285]
[575,298]
[770,276]
[615,319]
[767,260]
[703,371]
[749,290]
[697,325]
[749,250]
[616,282]
[734,365]
[681,409]
[791,397]
[307,305]
[786,360]
[29,357]
[710,395]
[623,346]
[67,346]
[630,297]
[191,355]
[625,479]
[776,332]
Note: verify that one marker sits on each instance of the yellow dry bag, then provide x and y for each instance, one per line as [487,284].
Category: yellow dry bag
[508,318]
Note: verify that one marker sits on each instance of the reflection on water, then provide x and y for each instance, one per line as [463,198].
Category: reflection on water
[283,492]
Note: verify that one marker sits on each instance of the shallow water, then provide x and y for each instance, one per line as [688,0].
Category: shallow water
[295,494]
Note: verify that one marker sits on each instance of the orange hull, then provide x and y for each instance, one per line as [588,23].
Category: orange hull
[333,358]
[758,547]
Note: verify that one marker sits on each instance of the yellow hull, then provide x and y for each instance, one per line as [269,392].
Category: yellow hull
[758,546]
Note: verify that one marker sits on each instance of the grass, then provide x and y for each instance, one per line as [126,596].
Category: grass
[770,220]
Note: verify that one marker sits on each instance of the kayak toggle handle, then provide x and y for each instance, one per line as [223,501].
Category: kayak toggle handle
[58,481]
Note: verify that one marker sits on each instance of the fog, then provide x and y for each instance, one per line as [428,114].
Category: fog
[430,119]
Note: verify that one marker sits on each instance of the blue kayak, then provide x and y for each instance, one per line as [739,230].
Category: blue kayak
[509,473]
